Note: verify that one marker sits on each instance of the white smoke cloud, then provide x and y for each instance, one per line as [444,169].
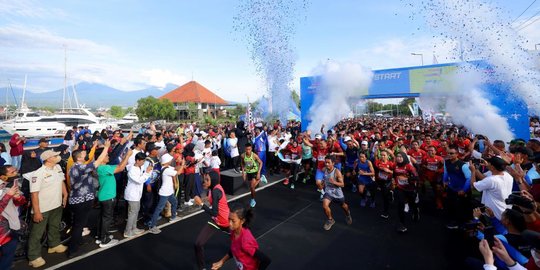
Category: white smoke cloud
[467,104]
[339,83]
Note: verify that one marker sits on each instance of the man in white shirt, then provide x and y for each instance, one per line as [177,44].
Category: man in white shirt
[169,183]
[232,142]
[139,144]
[495,187]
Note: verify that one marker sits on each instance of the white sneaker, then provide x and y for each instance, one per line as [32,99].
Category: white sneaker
[263,179]
[110,243]
[189,203]
[406,208]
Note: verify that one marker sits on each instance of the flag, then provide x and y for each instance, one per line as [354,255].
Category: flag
[249,118]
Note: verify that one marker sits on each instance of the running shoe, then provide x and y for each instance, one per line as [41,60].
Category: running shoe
[385,215]
[286,182]
[172,219]
[328,224]
[264,180]
[137,231]
[452,226]
[363,202]
[304,180]
[348,219]
[406,208]
[292,186]
[252,203]
[189,203]
[109,243]
[321,197]
[154,230]
[401,228]
[128,234]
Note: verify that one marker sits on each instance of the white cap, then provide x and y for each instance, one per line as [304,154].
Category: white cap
[166,158]
[346,139]
[364,143]
[318,136]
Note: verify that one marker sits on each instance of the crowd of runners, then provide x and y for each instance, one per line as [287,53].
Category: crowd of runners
[484,187]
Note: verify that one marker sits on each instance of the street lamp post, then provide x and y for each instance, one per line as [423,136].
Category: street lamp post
[421,56]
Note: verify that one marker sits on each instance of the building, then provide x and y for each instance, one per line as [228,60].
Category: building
[192,100]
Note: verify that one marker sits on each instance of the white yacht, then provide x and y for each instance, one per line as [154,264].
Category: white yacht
[55,125]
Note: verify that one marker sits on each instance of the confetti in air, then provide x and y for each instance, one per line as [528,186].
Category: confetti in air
[485,32]
[268,27]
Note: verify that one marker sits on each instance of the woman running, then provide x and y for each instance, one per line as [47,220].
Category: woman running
[385,170]
[366,180]
[244,247]
[405,180]
[219,213]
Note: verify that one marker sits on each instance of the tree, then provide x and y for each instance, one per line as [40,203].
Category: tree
[150,108]
[296,98]
[192,110]
[117,112]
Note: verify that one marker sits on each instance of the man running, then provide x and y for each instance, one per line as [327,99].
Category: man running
[251,170]
[333,182]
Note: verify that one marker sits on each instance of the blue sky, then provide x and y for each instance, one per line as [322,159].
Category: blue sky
[135,44]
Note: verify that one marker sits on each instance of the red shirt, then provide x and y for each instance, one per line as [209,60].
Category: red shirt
[293,152]
[433,167]
[417,155]
[402,175]
[463,147]
[382,175]
[243,250]
[222,218]
[190,169]
[425,146]
[319,156]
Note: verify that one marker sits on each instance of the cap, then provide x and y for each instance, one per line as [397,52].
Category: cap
[364,143]
[43,140]
[48,154]
[151,146]
[517,141]
[166,158]
[318,136]
[347,138]
[537,140]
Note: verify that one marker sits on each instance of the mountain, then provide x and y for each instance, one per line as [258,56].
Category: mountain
[90,94]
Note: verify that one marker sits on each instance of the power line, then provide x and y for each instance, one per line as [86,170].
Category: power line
[529,24]
[527,21]
[524,11]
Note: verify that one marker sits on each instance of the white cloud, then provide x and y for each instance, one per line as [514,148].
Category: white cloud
[161,77]
[28,9]
[19,36]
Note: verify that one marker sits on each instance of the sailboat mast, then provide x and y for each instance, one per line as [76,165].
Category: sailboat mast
[24,92]
[65,80]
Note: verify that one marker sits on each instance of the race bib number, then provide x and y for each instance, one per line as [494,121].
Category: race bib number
[432,167]
[320,158]
[383,175]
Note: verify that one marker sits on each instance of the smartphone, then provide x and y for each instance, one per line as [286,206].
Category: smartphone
[489,235]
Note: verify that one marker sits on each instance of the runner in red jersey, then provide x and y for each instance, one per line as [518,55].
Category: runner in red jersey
[385,170]
[416,154]
[462,144]
[432,170]
[319,155]
[405,178]
[442,150]
[428,141]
